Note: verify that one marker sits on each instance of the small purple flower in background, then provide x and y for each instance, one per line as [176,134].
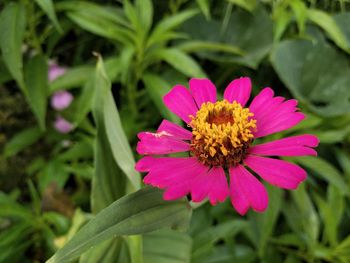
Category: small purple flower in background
[55,71]
[62,125]
[61,100]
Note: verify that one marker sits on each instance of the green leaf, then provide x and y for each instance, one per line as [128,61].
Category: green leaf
[144,10]
[73,77]
[157,87]
[205,7]
[242,31]
[203,241]
[166,246]
[300,10]
[249,5]
[167,24]
[101,21]
[35,73]
[114,250]
[299,64]
[182,62]
[331,217]
[141,212]
[22,140]
[327,171]
[107,116]
[328,24]
[48,8]
[197,46]
[12,28]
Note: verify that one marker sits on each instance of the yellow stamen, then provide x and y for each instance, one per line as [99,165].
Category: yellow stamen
[221,129]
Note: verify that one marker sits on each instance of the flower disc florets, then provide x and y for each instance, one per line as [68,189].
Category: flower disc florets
[222,133]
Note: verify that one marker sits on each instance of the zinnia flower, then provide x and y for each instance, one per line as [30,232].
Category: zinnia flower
[62,125]
[61,100]
[221,142]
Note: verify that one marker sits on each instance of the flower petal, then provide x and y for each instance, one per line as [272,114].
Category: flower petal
[160,143]
[203,90]
[175,130]
[238,90]
[61,100]
[273,114]
[174,174]
[291,146]
[277,172]
[212,185]
[180,101]
[246,191]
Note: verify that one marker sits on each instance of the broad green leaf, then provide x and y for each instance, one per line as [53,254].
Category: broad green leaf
[22,140]
[35,74]
[157,87]
[137,213]
[166,246]
[298,62]
[249,5]
[167,24]
[242,31]
[111,251]
[12,28]
[196,46]
[106,113]
[326,170]
[328,24]
[48,8]
[181,62]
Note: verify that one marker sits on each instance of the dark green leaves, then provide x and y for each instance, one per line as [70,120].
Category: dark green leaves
[137,213]
[12,26]
[37,85]
[305,70]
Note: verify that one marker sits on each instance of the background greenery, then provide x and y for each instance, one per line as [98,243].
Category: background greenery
[53,184]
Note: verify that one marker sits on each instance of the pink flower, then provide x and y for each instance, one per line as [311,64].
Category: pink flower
[62,125]
[55,71]
[61,100]
[221,141]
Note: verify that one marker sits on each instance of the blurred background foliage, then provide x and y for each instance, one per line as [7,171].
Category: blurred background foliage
[53,184]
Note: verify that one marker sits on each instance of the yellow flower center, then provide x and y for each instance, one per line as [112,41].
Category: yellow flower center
[222,133]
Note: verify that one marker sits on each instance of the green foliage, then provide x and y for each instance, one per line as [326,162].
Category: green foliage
[77,196]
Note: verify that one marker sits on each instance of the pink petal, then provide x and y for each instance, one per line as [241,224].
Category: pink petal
[180,101]
[274,114]
[55,71]
[277,172]
[203,90]
[246,191]
[62,125]
[160,143]
[175,130]
[291,146]
[212,185]
[238,90]
[174,174]
[61,100]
